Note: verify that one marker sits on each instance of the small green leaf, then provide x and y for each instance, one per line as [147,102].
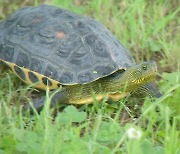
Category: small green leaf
[158,150]
[109,132]
[71,114]
[147,147]
[171,79]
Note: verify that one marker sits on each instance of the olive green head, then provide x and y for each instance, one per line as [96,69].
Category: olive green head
[140,74]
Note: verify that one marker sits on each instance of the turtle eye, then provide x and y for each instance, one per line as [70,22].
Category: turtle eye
[144,67]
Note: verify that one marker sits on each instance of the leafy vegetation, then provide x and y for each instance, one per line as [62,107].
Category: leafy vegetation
[149,29]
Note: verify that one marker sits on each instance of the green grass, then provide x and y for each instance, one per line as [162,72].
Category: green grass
[149,29]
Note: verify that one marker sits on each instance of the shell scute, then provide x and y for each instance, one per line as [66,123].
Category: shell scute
[71,42]
[6,52]
[46,81]
[22,59]
[36,65]
[33,77]
[52,72]
[90,39]
[84,77]
[100,49]
[67,77]
[103,70]
[80,27]
[19,72]
[81,57]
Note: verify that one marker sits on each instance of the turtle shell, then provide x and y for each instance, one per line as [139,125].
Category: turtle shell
[60,45]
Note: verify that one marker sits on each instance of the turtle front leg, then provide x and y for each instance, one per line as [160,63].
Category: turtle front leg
[149,89]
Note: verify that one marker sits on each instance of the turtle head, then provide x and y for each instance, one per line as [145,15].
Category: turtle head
[140,74]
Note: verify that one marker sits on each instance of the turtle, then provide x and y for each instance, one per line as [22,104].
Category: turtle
[51,47]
